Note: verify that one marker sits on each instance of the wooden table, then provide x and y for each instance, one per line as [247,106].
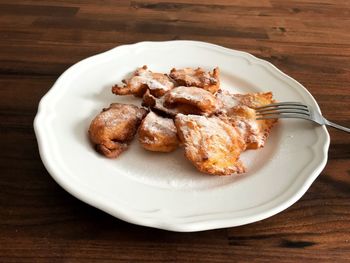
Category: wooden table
[40,222]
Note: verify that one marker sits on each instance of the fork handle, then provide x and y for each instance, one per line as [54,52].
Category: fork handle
[337,126]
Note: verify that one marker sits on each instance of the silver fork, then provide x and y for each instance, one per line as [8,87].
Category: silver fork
[294,110]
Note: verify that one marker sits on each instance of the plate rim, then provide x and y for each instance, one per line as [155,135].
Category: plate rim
[145,218]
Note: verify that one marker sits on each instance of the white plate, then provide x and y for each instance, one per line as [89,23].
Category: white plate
[164,190]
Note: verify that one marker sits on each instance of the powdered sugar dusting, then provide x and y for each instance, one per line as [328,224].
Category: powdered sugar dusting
[118,113]
[249,130]
[154,81]
[242,116]
[209,126]
[199,97]
[228,101]
[156,124]
[189,93]
[193,77]
[211,144]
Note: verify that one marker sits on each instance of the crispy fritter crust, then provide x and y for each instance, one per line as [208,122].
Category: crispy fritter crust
[157,104]
[211,144]
[238,109]
[112,129]
[203,101]
[188,108]
[198,78]
[158,134]
[143,80]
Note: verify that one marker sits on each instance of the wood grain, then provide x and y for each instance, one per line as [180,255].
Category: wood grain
[40,222]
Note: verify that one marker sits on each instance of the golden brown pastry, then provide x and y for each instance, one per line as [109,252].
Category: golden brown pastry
[171,105]
[201,100]
[142,80]
[238,109]
[158,134]
[157,104]
[244,120]
[188,108]
[114,128]
[197,77]
[211,144]
[252,100]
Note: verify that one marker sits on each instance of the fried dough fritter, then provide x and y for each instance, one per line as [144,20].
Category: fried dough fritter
[238,109]
[158,134]
[160,105]
[197,77]
[251,100]
[157,104]
[203,101]
[142,80]
[244,120]
[211,144]
[112,129]
[185,108]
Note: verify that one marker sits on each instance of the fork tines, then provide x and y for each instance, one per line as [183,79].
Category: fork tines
[283,110]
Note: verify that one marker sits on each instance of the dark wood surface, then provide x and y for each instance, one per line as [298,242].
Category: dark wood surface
[40,222]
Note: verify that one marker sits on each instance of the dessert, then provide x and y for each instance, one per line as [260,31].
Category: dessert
[158,134]
[143,79]
[112,129]
[211,144]
[197,78]
[188,109]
